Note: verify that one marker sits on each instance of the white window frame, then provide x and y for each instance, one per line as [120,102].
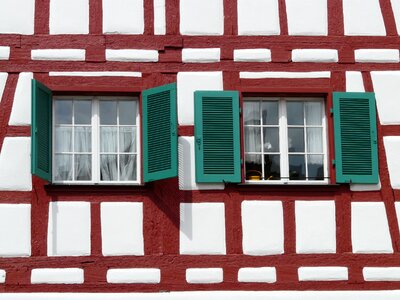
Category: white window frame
[95,124]
[283,143]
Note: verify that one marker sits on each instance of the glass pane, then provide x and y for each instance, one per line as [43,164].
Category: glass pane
[108,112]
[314,140]
[63,167]
[251,113]
[297,170]
[127,167]
[270,113]
[83,139]
[127,112]
[295,113]
[63,139]
[253,165]
[271,139]
[315,167]
[108,139]
[296,139]
[252,139]
[109,167]
[272,167]
[313,113]
[82,112]
[127,139]
[83,167]
[63,109]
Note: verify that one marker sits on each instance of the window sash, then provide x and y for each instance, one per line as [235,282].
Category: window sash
[95,139]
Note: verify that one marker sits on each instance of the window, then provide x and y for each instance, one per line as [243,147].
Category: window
[285,140]
[95,140]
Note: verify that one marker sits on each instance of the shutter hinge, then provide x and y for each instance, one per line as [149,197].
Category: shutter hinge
[333,162]
[240,110]
[331,110]
[241,161]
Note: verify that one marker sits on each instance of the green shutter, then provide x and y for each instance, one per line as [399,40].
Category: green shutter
[41,131]
[355,137]
[160,140]
[217,136]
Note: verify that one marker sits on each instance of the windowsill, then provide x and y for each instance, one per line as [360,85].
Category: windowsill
[85,188]
[283,183]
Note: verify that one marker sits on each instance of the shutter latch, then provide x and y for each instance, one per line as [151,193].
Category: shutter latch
[198,142]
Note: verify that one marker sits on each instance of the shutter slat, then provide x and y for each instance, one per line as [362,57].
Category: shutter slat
[355,137]
[41,131]
[217,136]
[160,141]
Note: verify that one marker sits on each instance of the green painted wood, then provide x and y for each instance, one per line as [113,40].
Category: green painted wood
[41,131]
[355,130]
[217,136]
[160,139]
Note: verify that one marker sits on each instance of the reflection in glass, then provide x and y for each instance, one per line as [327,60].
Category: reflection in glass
[127,139]
[296,139]
[127,167]
[108,167]
[83,112]
[108,139]
[63,139]
[108,112]
[127,112]
[272,168]
[270,112]
[63,111]
[253,166]
[83,139]
[313,113]
[295,113]
[251,113]
[297,170]
[63,167]
[83,167]
[252,141]
[314,140]
[271,139]
[315,167]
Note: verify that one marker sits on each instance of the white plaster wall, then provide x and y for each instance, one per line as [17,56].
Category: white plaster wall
[262,225]
[315,55]
[354,81]
[369,228]
[261,275]
[187,167]
[137,275]
[57,276]
[96,74]
[15,230]
[132,55]
[3,81]
[396,12]
[392,149]
[274,74]
[59,54]
[201,55]
[258,17]
[387,89]
[21,110]
[187,84]
[315,227]
[69,17]
[69,229]
[2,276]
[202,228]
[307,17]
[17,16]
[252,55]
[159,17]
[323,273]
[15,164]
[122,228]
[205,17]
[377,55]
[363,17]
[204,275]
[123,17]
[4,53]
[381,273]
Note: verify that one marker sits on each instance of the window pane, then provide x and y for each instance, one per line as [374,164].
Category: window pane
[253,165]
[296,139]
[251,113]
[252,142]
[127,112]
[272,167]
[63,109]
[315,167]
[109,167]
[127,167]
[63,139]
[270,112]
[297,170]
[83,167]
[314,140]
[127,139]
[108,112]
[295,115]
[108,139]
[82,112]
[83,139]
[271,139]
[63,167]
[313,113]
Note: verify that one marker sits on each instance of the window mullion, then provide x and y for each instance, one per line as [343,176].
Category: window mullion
[95,142]
[305,140]
[262,141]
[283,138]
[73,140]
